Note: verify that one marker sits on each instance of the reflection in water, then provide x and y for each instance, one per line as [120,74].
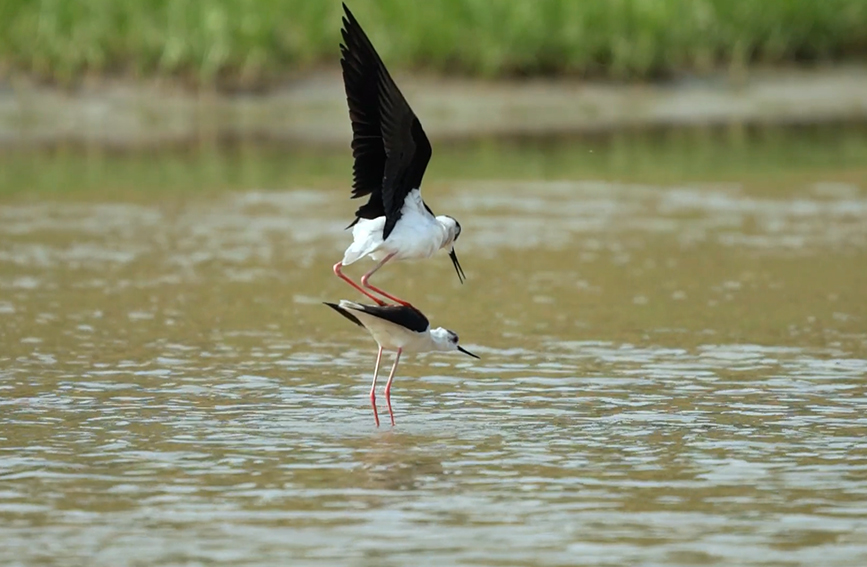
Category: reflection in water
[670,375]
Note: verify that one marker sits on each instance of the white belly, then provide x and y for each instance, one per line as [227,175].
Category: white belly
[416,236]
[391,341]
[395,338]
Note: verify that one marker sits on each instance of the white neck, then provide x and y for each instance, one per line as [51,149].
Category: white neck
[441,340]
[447,225]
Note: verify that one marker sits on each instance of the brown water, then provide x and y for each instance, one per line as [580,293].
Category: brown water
[671,374]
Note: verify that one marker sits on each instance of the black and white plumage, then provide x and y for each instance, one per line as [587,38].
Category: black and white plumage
[391,153]
[400,328]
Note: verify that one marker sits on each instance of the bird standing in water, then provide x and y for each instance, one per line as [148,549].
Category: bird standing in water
[391,153]
[400,328]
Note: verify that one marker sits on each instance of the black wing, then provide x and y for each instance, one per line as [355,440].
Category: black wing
[403,315]
[390,148]
[360,79]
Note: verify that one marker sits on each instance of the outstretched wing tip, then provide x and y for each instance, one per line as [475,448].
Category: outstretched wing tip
[382,121]
[348,18]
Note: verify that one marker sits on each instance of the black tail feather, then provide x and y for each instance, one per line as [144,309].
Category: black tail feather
[344,312]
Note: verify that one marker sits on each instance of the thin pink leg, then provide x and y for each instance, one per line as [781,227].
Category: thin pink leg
[373,386]
[388,385]
[339,273]
[365,281]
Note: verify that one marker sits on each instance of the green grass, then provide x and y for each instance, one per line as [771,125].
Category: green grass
[256,42]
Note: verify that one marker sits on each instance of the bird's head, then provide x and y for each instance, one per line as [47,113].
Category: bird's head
[453,231]
[447,341]
[452,227]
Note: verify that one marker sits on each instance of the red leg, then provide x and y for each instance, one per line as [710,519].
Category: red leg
[339,273]
[388,295]
[365,281]
[373,386]
[388,385]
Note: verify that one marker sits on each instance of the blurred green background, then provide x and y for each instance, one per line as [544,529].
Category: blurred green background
[685,90]
[253,43]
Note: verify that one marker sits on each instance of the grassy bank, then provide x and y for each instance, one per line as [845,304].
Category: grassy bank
[255,42]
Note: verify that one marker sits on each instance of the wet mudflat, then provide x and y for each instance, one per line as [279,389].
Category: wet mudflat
[672,373]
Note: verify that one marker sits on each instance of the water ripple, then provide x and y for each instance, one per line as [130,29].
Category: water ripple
[650,391]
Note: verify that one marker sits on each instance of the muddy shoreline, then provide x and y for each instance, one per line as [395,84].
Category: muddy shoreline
[312,109]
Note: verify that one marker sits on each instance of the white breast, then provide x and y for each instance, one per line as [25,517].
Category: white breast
[417,234]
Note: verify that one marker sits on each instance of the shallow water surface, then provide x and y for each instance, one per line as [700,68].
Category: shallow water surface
[671,375]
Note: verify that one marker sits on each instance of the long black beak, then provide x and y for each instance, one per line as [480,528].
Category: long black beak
[465,351]
[457,264]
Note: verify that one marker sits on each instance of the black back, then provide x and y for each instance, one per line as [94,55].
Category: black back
[402,315]
[390,148]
